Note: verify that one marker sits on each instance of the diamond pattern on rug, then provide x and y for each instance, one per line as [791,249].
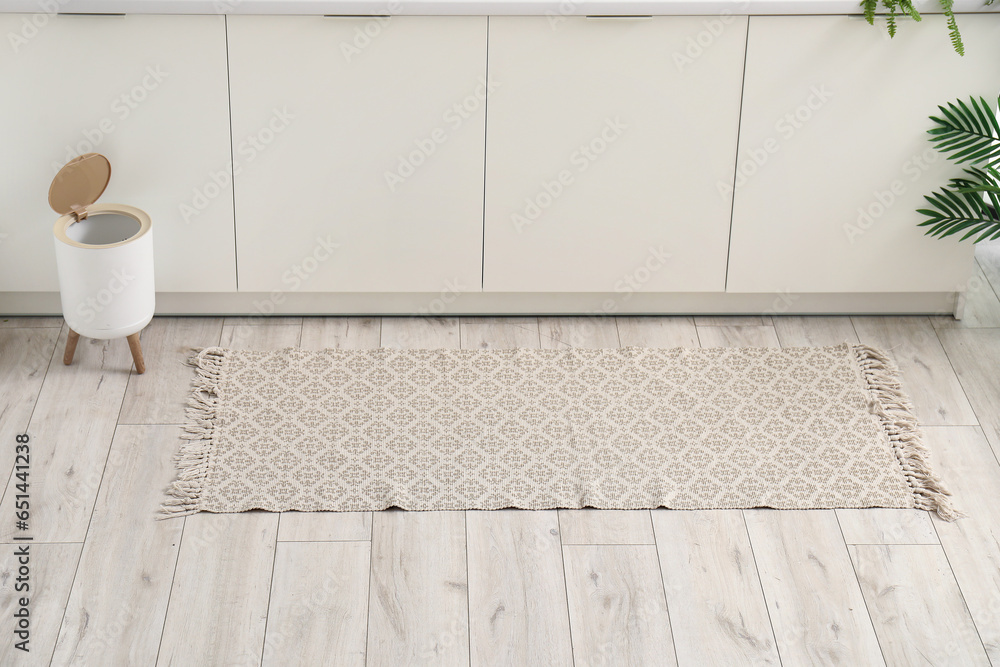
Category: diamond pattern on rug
[352,430]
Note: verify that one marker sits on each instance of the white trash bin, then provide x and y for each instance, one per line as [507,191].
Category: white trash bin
[104,255]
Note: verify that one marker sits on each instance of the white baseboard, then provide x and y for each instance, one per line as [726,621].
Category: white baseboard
[484,303]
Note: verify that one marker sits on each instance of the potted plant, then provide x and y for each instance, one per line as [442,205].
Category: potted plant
[967,134]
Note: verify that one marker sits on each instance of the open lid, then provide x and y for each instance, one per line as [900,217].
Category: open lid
[79,184]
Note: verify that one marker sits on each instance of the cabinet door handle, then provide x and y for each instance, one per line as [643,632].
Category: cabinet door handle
[880,15]
[618,17]
[119,14]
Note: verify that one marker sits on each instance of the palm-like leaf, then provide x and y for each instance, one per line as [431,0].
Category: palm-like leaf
[970,204]
[968,132]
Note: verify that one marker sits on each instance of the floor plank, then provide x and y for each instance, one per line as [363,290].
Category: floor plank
[342,333]
[965,461]
[219,600]
[927,375]
[319,333]
[159,396]
[24,358]
[325,527]
[499,333]
[30,322]
[263,320]
[617,609]
[418,609]
[319,605]
[732,321]
[814,331]
[587,332]
[121,624]
[886,526]
[590,526]
[718,613]
[750,336]
[517,594]
[988,258]
[416,333]
[71,429]
[816,607]
[663,332]
[895,580]
[975,355]
[249,337]
[52,567]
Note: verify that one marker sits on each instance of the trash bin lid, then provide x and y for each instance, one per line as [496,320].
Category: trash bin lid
[79,183]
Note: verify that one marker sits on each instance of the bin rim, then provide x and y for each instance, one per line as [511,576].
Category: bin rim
[63,223]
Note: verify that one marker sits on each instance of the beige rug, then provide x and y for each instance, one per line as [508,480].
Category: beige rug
[486,429]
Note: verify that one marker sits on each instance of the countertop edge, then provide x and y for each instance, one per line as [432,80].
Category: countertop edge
[552,8]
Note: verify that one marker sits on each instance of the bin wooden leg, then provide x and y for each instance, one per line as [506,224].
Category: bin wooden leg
[71,340]
[133,344]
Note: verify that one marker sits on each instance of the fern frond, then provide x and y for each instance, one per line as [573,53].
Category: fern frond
[910,9]
[953,33]
[970,205]
[967,134]
[890,19]
[870,7]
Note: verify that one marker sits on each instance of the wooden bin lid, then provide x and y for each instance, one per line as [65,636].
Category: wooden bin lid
[80,183]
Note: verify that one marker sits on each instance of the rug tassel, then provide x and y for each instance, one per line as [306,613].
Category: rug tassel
[900,424]
[184,494]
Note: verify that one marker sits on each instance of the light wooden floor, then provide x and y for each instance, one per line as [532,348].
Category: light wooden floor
[585,588]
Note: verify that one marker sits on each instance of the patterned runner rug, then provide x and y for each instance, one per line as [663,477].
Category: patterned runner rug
[626,428]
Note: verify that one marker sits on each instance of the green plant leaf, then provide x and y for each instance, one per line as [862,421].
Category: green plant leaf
[968,133]
[870,7]
[969,204]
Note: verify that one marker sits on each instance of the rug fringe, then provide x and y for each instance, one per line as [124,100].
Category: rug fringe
[896,414]
[184,494]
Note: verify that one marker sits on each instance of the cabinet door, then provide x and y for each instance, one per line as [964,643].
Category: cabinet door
[834,154]
[359,151]
[606,140]
[150,93]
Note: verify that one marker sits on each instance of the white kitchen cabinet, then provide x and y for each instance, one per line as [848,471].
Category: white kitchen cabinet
[834,157]
[150,93]
[359,152]
[605,140]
